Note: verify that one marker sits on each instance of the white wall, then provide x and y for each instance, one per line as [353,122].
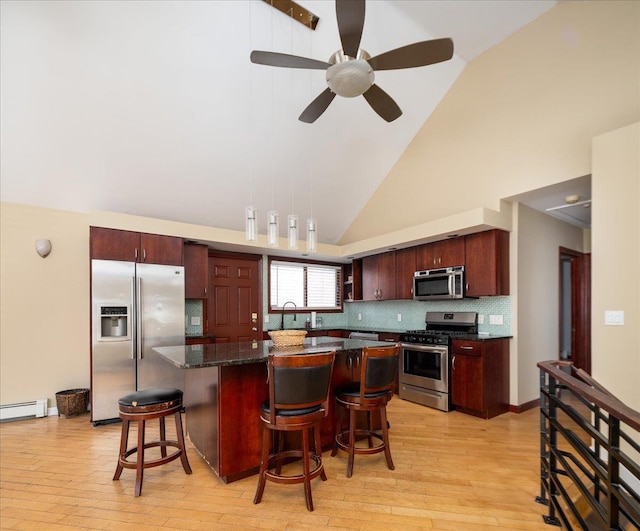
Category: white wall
[537,330]
[616,261]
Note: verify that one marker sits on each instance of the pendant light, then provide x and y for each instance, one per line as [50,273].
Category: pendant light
[273,233]
[292,231]
[312,236]
[251,224]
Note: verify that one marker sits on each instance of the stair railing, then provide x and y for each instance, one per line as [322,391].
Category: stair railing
[589,452]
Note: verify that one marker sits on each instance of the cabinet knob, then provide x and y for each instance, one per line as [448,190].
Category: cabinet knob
[453,363]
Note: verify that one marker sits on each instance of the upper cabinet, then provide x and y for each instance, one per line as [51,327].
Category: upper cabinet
[128,246]
[405,268]
[378,277]
[352,281]
[487,263]
[196,270]
[446,253]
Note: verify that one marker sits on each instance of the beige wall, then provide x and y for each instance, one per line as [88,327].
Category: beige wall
[519,117]
[44,308]
[616,261]
[535,305]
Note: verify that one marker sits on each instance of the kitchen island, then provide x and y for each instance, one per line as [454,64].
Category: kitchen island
[226,383]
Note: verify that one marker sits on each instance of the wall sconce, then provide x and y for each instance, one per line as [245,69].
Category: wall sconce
[43,247]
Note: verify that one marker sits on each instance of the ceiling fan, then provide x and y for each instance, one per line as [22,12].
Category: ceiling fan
[350,71]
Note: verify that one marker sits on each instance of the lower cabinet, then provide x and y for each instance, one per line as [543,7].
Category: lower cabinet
[480,377]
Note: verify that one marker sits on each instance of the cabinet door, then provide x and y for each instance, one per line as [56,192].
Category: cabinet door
[405,268]
[487,263]
[157,249]
[196,270]
[370,278]
[114,244]
[445,253]
[387,276]
[466,381]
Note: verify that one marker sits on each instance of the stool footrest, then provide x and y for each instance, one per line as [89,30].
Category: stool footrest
[344,436]
[154,462]
[294,478]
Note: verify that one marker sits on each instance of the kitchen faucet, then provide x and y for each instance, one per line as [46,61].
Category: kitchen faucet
[294,315]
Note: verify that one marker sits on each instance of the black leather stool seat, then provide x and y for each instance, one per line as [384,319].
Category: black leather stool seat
[266,409]
[146,405]
[149,397]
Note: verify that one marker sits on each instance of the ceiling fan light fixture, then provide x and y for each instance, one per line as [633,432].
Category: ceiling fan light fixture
[350,78]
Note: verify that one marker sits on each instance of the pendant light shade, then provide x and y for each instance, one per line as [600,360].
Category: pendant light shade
[251,224]
[273,233]
[312,235]
[292,231]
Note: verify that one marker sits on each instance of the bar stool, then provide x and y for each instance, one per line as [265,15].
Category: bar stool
[298,389]
[377,378]
[146,405]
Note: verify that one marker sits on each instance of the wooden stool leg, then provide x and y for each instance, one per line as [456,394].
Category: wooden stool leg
[140,458]
[163,437]
[318,450]
[338,429]
[352,441]
[279,437]
[369,424]
[306,469]
[124,437]
[264,465]
[385,437]
[181,443]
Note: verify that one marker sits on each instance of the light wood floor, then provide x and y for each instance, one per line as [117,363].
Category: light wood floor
[453,472]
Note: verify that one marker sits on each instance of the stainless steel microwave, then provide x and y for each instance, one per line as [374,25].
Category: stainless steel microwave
[439,284]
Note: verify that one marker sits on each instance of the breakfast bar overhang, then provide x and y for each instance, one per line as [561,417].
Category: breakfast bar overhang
[225,384]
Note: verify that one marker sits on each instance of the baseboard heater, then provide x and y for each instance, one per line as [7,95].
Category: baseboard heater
[21,410]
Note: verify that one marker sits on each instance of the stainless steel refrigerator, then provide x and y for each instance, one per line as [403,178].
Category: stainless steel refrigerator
[135,307]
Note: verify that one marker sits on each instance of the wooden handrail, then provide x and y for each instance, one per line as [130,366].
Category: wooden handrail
[593,391]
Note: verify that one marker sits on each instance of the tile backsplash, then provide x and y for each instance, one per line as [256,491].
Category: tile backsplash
[193,313]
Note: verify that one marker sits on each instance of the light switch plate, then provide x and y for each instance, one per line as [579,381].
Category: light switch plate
[399,317]
[496,319]
[195,321]
[359,317]
[614,317]
[266,318]
[480,318]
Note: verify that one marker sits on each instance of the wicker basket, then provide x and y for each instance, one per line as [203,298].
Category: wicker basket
[287,338]
[72,402]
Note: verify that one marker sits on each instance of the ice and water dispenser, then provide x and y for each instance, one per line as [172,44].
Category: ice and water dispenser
[114,322]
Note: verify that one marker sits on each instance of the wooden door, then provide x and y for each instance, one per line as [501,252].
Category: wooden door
[114,244]
[370,278]
[487,263]
[234,299]
[387,276]
[467,382]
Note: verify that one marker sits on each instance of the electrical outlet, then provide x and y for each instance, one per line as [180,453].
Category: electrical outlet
[195,321]
[266,318]
[480,318]
[359,317]
[496,319]
[614,318]
[399,317]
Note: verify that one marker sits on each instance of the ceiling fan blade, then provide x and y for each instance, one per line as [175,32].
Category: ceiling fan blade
[382,103]
[317,106]
[286,60]
[416,54]
[350,15]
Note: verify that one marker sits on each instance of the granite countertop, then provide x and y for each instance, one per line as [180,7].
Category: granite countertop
[221,354]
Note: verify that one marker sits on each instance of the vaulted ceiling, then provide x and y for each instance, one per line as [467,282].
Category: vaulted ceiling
[154,109]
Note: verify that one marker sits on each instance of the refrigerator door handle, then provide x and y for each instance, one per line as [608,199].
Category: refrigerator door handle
[139,330]
[132,319]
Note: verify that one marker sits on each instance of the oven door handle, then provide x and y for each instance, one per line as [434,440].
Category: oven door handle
[453,363]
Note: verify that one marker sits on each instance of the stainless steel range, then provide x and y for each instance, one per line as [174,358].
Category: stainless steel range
[425,363]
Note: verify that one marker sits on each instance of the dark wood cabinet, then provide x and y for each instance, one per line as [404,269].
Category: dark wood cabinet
[445,253]
[480,377]
[487,263]
[352,274]
[405,268]
[378,277]
[196,271]
[204,340]
[124,245]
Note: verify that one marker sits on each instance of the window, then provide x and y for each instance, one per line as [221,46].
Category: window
[309,286]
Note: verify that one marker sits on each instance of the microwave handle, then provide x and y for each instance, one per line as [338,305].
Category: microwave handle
[451,284]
